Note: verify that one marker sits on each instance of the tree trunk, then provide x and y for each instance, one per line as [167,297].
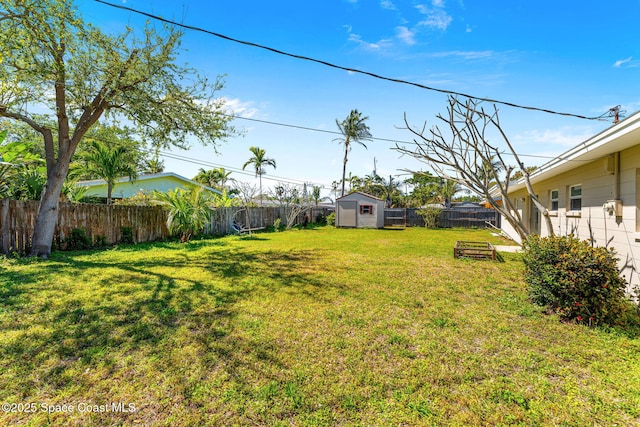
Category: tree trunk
[48,212]
[344,166]
[109,190]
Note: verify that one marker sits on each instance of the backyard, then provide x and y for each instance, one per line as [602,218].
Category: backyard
[309,327]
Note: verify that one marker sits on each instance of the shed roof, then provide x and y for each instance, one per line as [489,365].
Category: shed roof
[359,193]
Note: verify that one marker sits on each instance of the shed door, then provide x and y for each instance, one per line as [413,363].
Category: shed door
[347,214]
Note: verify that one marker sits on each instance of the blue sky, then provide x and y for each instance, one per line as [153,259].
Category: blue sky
[576,57]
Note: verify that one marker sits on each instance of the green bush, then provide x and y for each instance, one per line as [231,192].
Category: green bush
[127,235]
[189,211]
[78,240]
[570,277]
[321,219]
[331,218]
[430,216]
[101,241]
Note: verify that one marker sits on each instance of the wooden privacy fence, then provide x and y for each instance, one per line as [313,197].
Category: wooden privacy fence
[18,219]
[106,223]
[477,218]
[448,218]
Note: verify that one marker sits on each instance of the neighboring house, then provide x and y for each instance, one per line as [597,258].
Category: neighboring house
[593,192]
[466,206]
[359,210]
[124,188]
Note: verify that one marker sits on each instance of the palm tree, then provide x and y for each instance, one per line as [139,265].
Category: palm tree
[189,211]
[353,129]
[259,161]
[214,178]
[110,164]
[390,190]
[372,184]
[448,189]
[206,177]
[153,165]
[316,196]
[223,177]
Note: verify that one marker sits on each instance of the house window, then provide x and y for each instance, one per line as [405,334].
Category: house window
[366,209]
[575,197]
[554,200]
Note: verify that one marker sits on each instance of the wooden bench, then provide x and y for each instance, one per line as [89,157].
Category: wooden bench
[475,250]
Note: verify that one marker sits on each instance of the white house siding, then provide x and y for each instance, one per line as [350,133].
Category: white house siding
[592,222]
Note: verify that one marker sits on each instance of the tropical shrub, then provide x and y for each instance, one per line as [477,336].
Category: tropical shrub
[331,218]
[127,235]
[141,198]
[189,211]
[20,176]
[430,216]
[78,240]
[100,241]
[321,219]
[574,279]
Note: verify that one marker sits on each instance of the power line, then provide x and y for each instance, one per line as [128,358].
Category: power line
[349,69]
[395,141]
[239,171]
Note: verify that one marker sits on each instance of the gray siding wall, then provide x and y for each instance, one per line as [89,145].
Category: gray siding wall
[592,222]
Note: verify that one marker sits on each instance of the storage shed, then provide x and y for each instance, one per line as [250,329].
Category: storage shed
[359,210]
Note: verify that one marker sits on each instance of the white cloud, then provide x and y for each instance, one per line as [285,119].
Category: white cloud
[387,4]
[405,35]
[471,54]
[468,30]
[436,16]
[621,62]
[240,108]
[437,19]
[383,43]
[564,137]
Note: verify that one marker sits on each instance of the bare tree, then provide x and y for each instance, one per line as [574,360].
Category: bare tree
[466,157]
[246,193]
[293,200]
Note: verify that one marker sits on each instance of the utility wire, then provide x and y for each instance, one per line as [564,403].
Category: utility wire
[239,171]
[395,141]
[353,70]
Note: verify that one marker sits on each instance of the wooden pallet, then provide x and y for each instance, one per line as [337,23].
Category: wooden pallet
[475,250]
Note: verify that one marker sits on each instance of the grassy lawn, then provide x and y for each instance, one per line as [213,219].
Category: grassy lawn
[311,327]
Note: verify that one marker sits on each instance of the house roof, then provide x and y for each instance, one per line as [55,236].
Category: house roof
[618,137]
[361,194]
[144,178]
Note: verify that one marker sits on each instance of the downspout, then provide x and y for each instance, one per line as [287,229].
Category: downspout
[616,172]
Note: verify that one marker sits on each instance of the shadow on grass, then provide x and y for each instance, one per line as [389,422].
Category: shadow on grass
[140,307]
